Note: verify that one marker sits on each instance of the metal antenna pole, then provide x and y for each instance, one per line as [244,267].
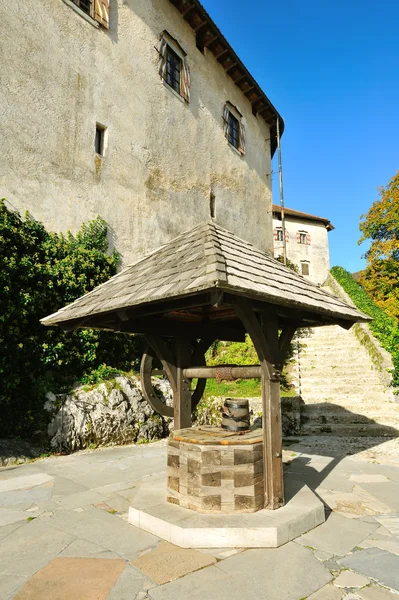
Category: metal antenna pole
[280,172]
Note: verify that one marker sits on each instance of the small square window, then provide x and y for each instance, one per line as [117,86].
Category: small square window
[99,142]
[302,238]
[279,235]
[84,5]
[305,268]
[173,69]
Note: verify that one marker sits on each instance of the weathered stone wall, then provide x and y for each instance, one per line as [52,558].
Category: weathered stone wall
[317,253]
[164,158]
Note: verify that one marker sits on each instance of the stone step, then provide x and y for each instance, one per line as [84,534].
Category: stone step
[333,376]
[343,416]
[371,430]
[324,408]
[339,387]
[344,400]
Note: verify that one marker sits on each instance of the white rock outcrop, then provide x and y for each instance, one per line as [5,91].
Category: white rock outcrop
[113,412]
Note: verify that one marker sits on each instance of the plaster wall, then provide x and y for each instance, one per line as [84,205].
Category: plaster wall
[317,253]
[164,158]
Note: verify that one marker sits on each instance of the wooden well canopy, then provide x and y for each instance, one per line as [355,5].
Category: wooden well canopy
[207,285]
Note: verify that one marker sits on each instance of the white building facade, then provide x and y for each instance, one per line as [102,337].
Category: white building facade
[306,242]
[138,111]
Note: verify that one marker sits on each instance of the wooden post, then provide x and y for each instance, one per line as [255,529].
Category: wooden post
[265,339]
[272,428]
[182,396]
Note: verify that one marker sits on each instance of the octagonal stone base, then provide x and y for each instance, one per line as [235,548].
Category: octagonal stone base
[263,529]
[215,471]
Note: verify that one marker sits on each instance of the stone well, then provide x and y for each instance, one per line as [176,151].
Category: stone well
[215,471]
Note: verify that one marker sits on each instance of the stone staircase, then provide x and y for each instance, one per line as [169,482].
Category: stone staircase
[342,390]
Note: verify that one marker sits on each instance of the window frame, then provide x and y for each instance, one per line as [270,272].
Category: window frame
[102,131]
[303,235]
[279,234]
[232,114]
[169,75]
[169,46]
[305,263]
[79,3]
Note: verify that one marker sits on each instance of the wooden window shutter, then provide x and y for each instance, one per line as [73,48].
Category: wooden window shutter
[162,47]
[308,239]
[101,12]
[298,237]
[226,119]
[185,81]
[287,236]
[276,234]
[242,140]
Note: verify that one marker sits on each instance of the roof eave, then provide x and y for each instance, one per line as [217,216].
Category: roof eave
[209,36]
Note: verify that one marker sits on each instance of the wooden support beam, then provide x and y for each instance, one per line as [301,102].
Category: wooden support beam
[187,10]
[166,356]
[221,53]
[236,372]
[265,340]
[182,396]
[230,67]
[285,339]
[191,330]
[210,41]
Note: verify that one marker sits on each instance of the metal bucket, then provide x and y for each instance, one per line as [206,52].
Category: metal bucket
[235,414]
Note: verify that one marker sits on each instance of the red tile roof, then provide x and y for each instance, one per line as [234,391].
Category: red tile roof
[301,215]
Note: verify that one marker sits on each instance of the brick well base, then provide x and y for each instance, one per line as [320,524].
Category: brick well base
[213,471]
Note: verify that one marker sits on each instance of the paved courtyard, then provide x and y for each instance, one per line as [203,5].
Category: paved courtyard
[64,533]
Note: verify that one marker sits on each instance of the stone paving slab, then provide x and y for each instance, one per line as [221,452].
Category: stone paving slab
[130,585]
[388,493]
[277,573]
[168,562]
[73,578]
[349,579]
[9,585]
[328,592]
[337,535]
[377,564]
[31,547]
[376,593]
[207,584]
[106,530]
[390,522]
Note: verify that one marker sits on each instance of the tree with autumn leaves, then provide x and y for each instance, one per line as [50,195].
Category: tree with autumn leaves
[380,226]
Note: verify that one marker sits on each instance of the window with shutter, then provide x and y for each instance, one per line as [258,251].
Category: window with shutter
[302,237]
[172,66]
[278,234]
[234,128]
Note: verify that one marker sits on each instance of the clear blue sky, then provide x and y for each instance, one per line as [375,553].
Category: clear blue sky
[331,68]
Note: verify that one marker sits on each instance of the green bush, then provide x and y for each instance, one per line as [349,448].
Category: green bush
[384,327]
[39,273]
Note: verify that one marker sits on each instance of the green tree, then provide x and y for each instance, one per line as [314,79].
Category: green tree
[39,273]
[380,226]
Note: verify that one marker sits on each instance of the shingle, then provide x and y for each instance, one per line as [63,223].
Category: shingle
[206,257]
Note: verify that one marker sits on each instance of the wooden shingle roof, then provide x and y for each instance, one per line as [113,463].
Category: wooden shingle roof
[206,259]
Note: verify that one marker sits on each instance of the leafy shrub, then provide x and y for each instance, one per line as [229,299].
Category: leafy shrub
[39,273]
[384,327]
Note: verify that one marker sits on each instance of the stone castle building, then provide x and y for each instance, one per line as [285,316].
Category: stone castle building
[136,110]
[306,242]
